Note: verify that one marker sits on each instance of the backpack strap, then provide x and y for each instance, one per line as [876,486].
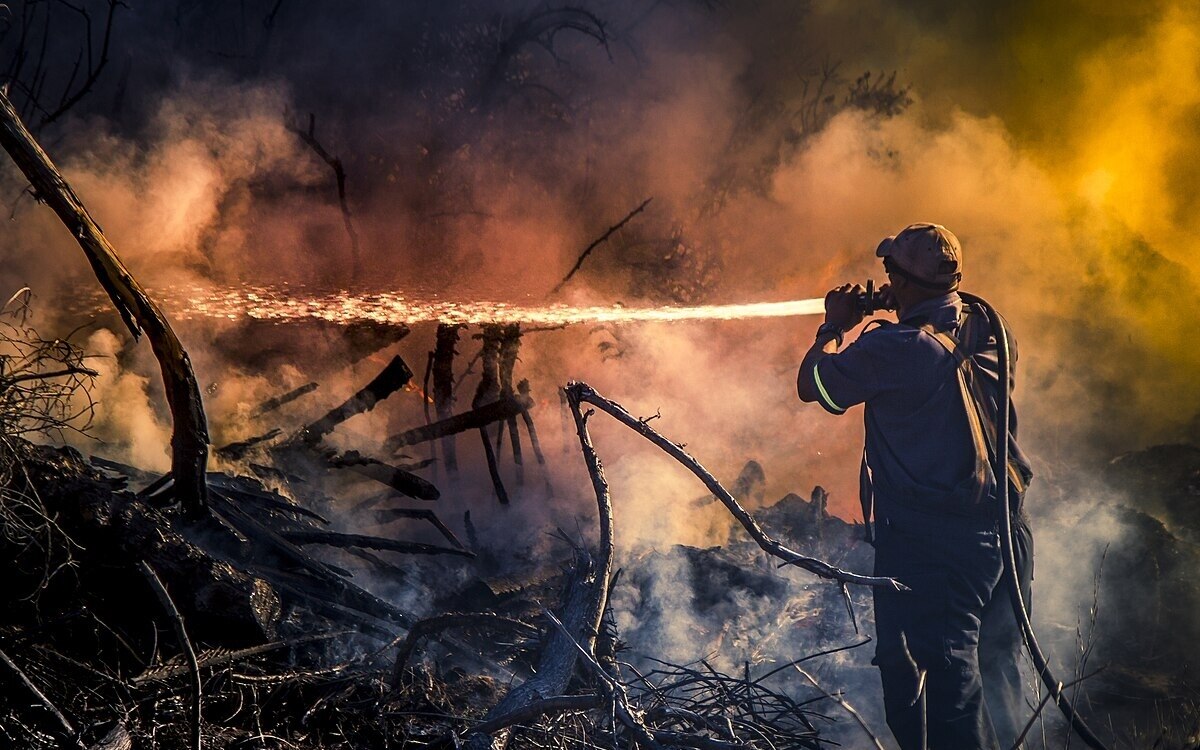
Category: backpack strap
[964,374]
[975,399]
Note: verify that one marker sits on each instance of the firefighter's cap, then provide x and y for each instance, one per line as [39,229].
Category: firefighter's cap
[928,254]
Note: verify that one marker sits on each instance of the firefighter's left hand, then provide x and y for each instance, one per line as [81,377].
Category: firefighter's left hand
[841,306]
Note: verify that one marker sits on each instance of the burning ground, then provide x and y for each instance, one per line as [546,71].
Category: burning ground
[469,154]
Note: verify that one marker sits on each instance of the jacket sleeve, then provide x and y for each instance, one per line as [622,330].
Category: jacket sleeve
[852,376]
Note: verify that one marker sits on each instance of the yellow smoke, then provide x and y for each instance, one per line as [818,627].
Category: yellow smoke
[1135,123]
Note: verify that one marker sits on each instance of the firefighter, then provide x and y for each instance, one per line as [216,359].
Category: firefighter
[929,385]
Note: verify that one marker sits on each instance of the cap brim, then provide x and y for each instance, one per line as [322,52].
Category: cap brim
[885,247]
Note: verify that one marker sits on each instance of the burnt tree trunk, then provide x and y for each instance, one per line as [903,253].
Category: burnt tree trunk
[443,387]
[510,347]
[488,392]
[189,438]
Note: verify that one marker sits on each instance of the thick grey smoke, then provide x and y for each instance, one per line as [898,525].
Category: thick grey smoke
[484,148]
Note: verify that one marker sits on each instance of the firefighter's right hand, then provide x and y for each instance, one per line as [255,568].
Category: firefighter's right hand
[841,306]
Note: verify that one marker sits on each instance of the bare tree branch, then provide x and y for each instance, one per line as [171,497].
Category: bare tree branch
[597,242]
[578,392]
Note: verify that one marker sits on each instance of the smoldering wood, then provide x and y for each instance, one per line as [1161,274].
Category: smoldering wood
[578,392]
[398,573]
[557,658]
[231,599]
[386,515]
[189,438]
[440,623]
[426,400]
[613,690]
[247,491]
[488,392]
[262,535]
[527,418]
[131,472]
[238,450]
[442,369]
[326,603]
[273,403]
[392,378]
[510,347]
[498,410]
[400,480]
[339,539]
[584,602]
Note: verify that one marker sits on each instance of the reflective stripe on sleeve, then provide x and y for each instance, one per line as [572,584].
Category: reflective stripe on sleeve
[826,401]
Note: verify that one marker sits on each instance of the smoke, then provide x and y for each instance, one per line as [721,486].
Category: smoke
[1058,140]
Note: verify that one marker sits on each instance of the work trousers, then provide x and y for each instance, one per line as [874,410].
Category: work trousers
[928,645]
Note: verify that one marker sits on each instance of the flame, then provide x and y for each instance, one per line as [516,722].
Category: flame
[344,307]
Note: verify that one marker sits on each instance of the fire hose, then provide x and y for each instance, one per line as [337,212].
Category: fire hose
[999,469]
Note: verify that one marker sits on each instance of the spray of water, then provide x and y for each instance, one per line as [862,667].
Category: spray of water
[285,305]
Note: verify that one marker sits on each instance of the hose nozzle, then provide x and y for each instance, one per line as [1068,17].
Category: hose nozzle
[872,300]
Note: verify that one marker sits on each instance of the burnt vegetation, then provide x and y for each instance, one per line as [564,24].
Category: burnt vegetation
[239,601]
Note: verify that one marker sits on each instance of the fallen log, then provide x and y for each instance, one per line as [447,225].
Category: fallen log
[391,379]
[274,403]
[400,480]
[189,437]
[337,539]
[482,416]
[387,515]
[578,392]
[238,450]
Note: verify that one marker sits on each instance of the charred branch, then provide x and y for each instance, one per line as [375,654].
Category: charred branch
[429,626]
[275,402]
[238,450]
[252,494]
[614,691]
[597,242]
[394,514]
[510,347]
[189,439]
[540,27]
[185,645]
[558,656]
[392,378]
[339,175]
[478,418]
[68,730]
[400,480]
[335,539]
[578,392]
[442,370]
